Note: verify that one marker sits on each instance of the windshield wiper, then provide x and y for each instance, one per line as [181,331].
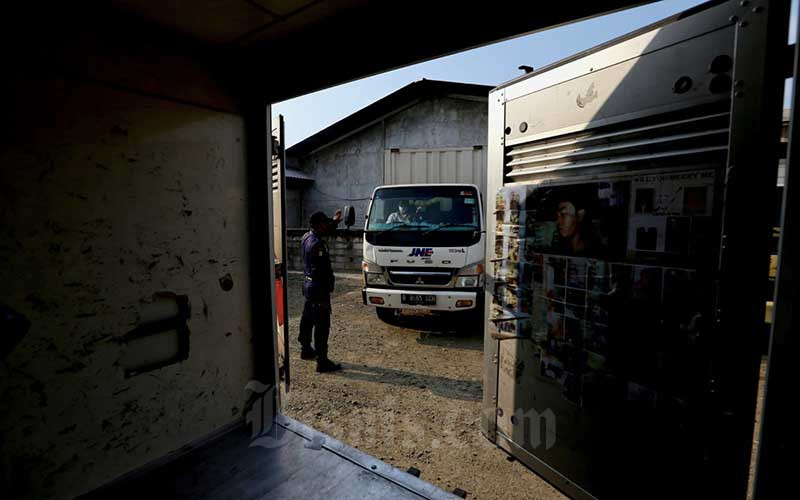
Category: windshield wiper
[393,228]
[449,224]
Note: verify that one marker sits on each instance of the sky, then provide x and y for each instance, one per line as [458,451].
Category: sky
[488,65]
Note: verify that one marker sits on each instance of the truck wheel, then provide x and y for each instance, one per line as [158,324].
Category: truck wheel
[385,314]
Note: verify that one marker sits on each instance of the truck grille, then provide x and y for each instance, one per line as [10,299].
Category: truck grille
[414,276]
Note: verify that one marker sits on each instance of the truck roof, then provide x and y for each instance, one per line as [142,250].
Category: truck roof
[451,184]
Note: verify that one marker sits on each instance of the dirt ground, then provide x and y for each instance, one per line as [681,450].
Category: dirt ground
[408,394]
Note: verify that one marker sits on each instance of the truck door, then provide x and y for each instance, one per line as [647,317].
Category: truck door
[279,239]
[629,214]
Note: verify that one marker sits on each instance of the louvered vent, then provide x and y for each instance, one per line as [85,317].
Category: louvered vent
[668,140]
[275,176]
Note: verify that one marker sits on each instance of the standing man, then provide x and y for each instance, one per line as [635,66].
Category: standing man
[317,288]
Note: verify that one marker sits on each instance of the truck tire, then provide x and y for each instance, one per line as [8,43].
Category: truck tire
[385,314]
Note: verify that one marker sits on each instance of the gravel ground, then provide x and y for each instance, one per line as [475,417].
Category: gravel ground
[409,394]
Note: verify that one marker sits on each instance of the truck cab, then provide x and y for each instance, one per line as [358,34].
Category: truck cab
[424,249]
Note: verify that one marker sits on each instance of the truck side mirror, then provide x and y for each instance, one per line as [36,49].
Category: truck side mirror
[349,215]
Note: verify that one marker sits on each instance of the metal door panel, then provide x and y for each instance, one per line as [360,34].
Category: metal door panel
[604,353]
[610,94]
[698,20]
[279,239]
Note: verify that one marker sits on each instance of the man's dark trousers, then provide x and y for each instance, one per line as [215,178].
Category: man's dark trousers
[316,317]
[318,283]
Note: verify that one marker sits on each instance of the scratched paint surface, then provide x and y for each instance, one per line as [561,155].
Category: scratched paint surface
[105,199]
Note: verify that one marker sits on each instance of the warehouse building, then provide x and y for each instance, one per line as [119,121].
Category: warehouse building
[427,131]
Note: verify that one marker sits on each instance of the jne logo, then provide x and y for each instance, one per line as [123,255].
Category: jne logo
[421,252]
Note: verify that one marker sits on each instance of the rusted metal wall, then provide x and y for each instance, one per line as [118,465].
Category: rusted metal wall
[107,197]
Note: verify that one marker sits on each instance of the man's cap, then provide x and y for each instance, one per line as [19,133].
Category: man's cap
[319,217]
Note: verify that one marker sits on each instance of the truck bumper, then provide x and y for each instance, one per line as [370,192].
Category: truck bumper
[446,300]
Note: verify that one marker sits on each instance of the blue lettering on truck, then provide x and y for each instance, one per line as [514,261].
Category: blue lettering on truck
[421,252]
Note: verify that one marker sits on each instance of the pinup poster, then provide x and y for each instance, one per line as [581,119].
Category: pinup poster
[665,208]
[510,302]
[585,220]
[592,274]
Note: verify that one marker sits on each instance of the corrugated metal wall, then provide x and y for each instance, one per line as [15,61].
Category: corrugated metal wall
[442,165]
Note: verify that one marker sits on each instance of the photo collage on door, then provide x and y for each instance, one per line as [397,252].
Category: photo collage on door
[602,277]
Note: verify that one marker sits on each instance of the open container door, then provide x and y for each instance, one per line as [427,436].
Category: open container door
[629,216]
[279,239]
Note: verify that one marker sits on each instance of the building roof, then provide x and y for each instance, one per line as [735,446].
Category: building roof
[380,109]
[297,179]
[292,173]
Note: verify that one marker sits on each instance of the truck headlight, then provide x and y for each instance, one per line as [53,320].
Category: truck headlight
[374,278]
[373,273]
[470,276]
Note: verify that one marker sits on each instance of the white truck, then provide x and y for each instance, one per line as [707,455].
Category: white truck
[424,248]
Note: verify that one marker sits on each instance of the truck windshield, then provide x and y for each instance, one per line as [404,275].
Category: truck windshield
[441,215]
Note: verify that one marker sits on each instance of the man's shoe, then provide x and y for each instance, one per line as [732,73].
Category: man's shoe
[308,353]
[326,365]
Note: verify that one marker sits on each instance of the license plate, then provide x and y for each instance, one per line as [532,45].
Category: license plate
[418,299]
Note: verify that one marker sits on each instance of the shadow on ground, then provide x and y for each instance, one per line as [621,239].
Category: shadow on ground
[450,341]
[457,324]
[465,390]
